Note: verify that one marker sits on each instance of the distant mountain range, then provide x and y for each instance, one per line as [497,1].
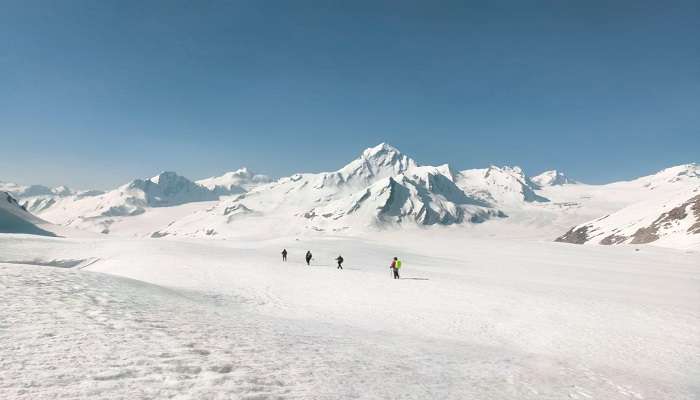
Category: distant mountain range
[382,189]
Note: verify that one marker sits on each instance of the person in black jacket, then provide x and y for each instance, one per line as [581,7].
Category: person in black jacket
[284,254]
[309,256]
[340,261]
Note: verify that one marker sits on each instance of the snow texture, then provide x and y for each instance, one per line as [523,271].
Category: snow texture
[470,318]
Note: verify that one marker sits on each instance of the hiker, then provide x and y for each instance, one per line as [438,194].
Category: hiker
[308,258]
[284,254]
[340,261]
[395,265]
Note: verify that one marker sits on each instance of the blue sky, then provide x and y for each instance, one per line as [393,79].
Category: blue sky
[95,93]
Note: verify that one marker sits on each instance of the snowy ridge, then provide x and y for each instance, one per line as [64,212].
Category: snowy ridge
[38,198]
[234,182]
[673,222]
[686,174]
[95,210]
[168,189]
[654,209]
[97,213]
[14,218]
[551,178]
[19,191]
[41,203]
[504,186]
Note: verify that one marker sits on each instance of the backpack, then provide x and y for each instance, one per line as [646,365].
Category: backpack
[398,264]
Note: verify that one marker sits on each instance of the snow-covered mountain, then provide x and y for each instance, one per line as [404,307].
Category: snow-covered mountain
[651,209]
[234,182]
[16,219]
[38,198]
[99,212]
[40,203]
[167,189]
[669,178]
[673,221]
[382,187]
[21,191]
[374,164]
[551,178]
[503,186]
[425,195]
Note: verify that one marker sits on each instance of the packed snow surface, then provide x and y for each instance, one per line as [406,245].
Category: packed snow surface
[470,318]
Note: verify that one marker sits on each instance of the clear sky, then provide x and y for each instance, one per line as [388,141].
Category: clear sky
[95,93]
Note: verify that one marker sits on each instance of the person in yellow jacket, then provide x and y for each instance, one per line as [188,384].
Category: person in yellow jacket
[395,267]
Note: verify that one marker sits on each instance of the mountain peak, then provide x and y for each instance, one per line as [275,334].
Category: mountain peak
[232,182]
[500,185]
[375,163]
[243,172]
[165,176]
[381,148]
[551,178]
[385,154]
[506,171]
[166,189]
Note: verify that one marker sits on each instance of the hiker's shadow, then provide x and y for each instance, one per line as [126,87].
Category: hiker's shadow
[416,279]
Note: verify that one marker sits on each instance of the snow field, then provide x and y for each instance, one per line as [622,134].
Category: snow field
[479,319]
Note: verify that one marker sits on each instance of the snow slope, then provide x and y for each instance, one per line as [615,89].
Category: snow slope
[471,318]
[674,222]
[644,203]
[15,219]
